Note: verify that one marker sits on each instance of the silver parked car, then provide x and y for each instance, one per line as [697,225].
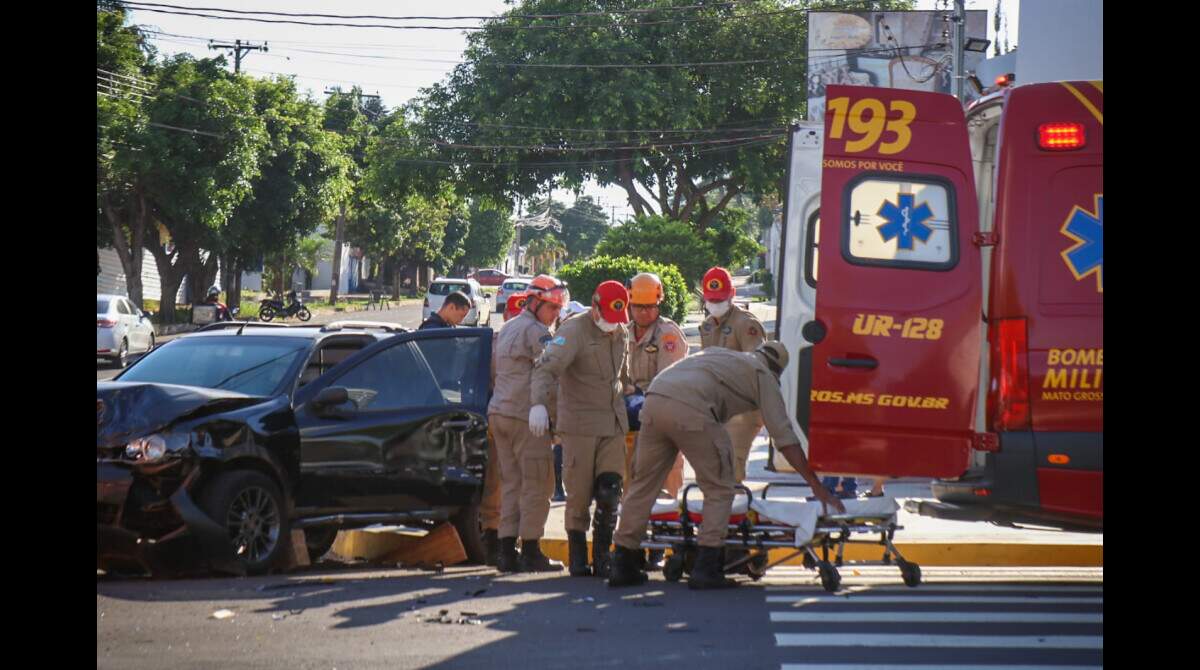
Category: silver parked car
[121,328]
[510,286]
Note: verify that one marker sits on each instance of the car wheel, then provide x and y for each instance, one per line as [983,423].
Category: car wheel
[319,541]
[466,522]
[122,358]
[249,506]
[151,345]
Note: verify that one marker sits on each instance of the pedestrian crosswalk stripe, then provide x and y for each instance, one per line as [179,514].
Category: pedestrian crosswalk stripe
[855,599]
[874,666]
[1021,588]
[951,641]
[938,617]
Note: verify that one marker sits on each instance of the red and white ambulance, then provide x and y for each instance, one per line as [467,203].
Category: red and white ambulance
[941,293]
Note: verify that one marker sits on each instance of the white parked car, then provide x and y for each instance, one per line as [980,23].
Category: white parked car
[509,287]
[121,328]
[480,313]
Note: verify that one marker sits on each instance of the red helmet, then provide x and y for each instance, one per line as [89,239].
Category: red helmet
[718,284]
[612,298]
[549,289]
[516,303]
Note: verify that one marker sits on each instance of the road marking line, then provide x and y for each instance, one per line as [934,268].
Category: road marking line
[947,617]
[1066,588]
[948,641]
[857,599]
[862,666]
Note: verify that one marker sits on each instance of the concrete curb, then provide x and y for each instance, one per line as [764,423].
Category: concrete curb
[942,554]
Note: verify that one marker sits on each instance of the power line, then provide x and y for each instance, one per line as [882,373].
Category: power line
[603,147]
[625,130]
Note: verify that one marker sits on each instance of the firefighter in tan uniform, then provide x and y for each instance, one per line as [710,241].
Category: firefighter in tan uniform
[587,361]
[655,343]
[526,462]
[684,411]
[732,327]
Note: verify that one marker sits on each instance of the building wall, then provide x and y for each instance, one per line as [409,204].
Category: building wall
[112,276]
[323,278]
[1060,41]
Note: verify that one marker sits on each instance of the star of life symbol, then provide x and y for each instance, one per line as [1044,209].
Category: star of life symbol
[1086,230]
[905,221]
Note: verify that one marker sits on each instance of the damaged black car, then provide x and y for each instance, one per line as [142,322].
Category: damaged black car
[212,448]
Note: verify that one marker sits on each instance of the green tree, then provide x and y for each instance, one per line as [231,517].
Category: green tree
[305,173]
[489,235]
[544,253]
[663,240]
[515,130]
[584,276]
[583,226]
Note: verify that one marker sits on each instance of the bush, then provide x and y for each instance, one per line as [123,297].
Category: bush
[671,242]
[584,276]
[768,284]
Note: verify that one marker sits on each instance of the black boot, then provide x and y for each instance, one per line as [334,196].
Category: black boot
[491,547]
[625,568]
[604,523]
[708,573]
[533,560]
[508,561]
[577,553]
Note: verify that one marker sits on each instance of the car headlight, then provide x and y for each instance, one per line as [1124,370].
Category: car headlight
[154,448]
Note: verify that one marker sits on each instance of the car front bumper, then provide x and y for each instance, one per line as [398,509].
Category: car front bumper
[196,539]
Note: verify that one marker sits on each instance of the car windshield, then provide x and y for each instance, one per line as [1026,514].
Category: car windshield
[446,288]
[101,306]
[516,285]
[250,365]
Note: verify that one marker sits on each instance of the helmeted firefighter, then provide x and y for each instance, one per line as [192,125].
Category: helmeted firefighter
[587,361]
[685,407]
[732,327]
[526,461]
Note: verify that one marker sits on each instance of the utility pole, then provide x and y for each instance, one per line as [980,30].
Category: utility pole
[335,275]
[239,49]
[959,42]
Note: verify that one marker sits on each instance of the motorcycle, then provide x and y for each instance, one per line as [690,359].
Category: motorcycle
[270,308]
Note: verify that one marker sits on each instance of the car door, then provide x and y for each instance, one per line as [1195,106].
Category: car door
[897,328]
[412,436]
[126,320]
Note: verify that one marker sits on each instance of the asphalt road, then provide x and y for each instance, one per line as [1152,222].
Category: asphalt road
[358,618]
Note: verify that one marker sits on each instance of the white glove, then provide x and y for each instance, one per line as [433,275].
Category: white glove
[539,420]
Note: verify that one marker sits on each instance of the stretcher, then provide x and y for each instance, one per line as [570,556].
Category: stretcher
[757,525]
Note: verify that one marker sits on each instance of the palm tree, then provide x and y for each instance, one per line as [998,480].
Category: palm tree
[545,251]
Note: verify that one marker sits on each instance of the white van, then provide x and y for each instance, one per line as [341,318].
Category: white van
[481,310]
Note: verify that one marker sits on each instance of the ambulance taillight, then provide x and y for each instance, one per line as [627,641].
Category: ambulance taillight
[1008,395]
[1061,136]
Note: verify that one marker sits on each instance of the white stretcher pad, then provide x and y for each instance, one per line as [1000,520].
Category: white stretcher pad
[696,505]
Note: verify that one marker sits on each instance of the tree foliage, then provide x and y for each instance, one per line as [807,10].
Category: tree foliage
[489,236]
[583,277]
[667,241]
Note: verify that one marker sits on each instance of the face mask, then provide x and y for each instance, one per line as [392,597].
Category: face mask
[717,309]
[606,326]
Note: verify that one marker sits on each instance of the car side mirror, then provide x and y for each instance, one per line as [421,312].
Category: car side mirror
[329,400]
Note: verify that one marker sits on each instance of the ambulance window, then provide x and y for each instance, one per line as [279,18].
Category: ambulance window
[812,236]
[900,223]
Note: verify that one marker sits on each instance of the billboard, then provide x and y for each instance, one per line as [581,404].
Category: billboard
[909,50]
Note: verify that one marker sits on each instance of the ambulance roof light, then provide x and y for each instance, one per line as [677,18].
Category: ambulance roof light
[1061,136]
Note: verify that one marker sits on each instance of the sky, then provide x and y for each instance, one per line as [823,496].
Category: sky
[395,64]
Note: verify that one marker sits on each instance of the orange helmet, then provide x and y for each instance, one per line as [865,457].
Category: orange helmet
[612,299]
[548,289]
[516,303]
[718,284]
[645,289]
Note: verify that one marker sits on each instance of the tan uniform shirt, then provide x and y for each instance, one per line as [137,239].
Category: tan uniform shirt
[515,349]
[738,330]
[722,384]
[590,369]
[662,344]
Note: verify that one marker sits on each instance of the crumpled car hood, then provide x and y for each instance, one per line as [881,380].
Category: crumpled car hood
[125,410]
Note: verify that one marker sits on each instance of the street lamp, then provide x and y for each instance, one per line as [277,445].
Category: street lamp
[976,44]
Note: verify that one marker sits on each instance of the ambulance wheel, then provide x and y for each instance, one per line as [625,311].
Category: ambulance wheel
[673,567]
[911,573]
[757,567]
[830,578]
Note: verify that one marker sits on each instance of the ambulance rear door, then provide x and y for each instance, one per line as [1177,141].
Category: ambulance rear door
[897,330]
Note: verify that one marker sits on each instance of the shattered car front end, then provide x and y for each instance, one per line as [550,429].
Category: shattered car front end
[155,444]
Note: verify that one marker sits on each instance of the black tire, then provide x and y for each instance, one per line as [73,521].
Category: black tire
[151,347]
[673,567]
[319,540]
[470,531]
[122,358]
[266,313]
[249,506]
[911,573]
[831,579]
[757,566]
[304,314]
[808,561]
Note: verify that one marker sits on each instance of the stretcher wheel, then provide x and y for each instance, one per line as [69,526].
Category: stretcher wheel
[757,567]
[673,567]
[911,573]
[808,562]
[830,578]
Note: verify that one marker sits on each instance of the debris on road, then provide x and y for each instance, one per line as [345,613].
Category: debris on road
[223,614]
